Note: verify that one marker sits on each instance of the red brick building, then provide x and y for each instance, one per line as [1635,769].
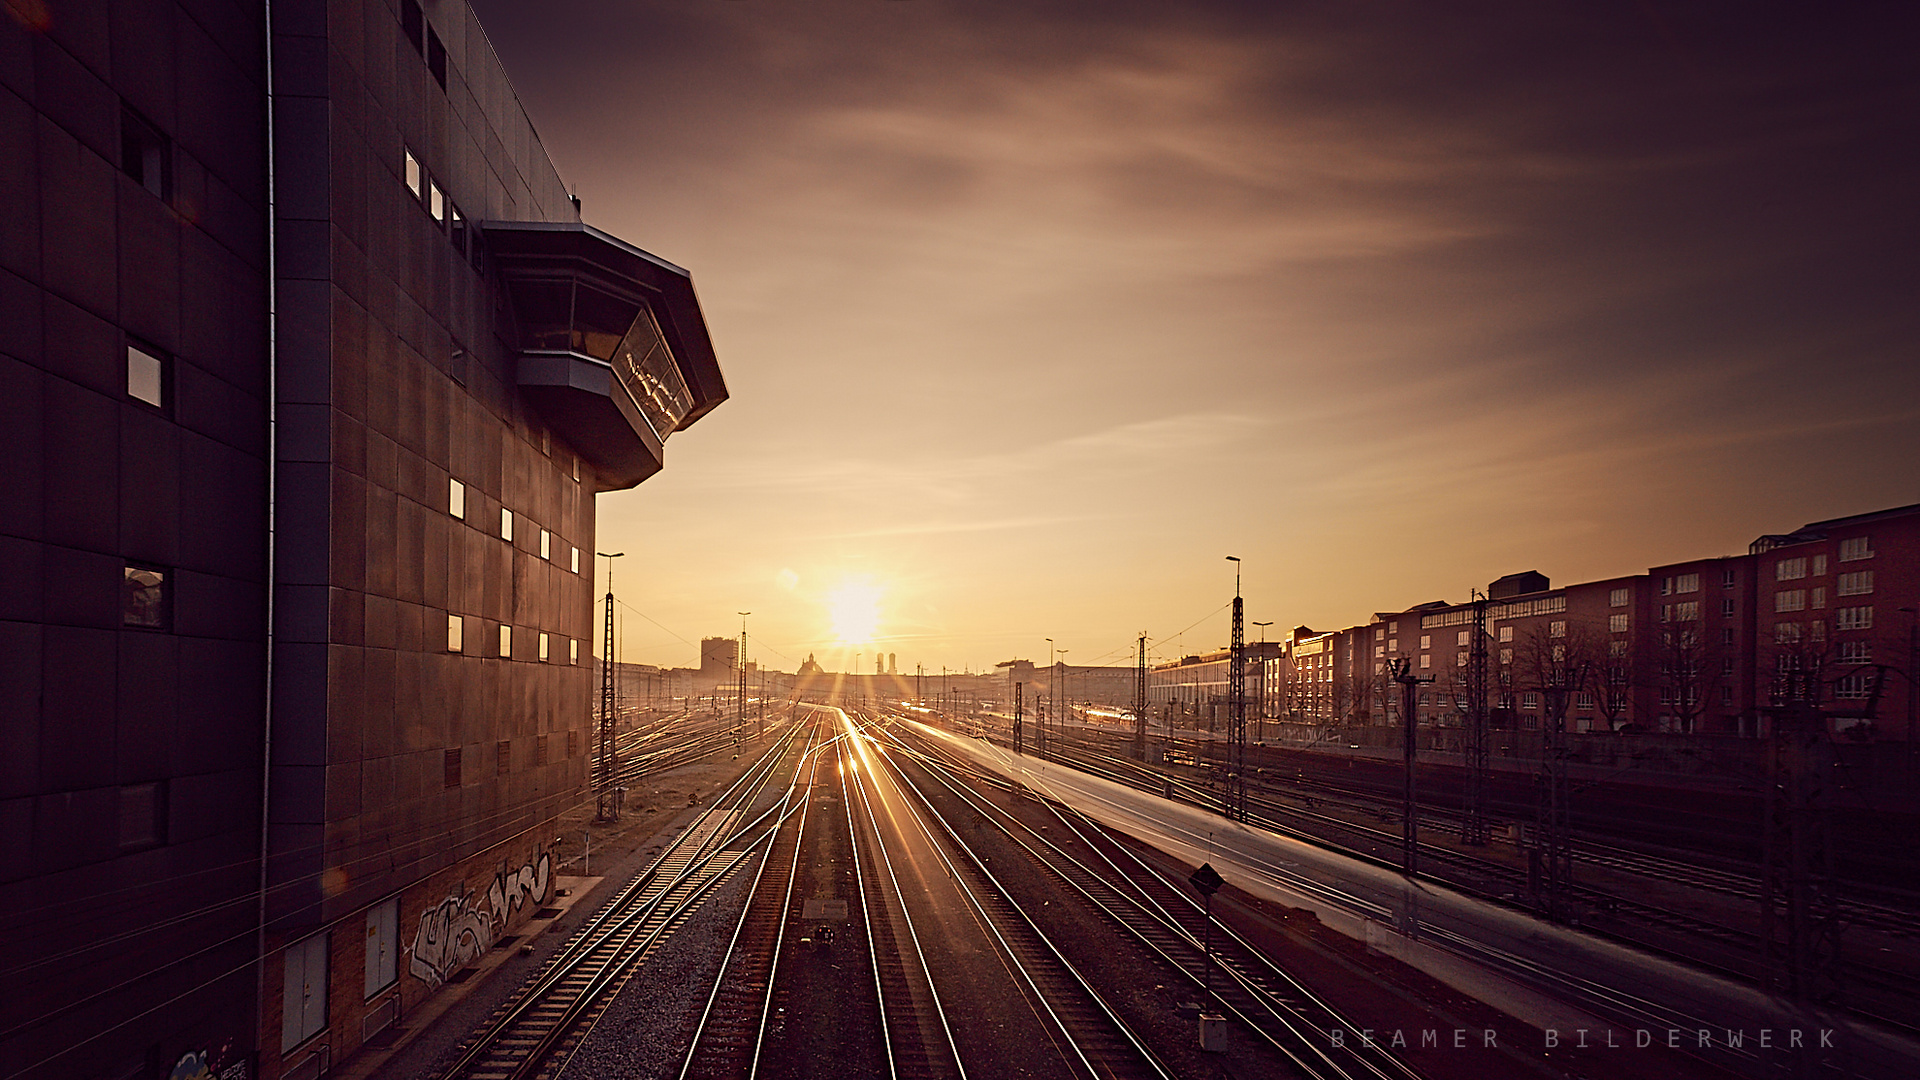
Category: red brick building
[1696,647]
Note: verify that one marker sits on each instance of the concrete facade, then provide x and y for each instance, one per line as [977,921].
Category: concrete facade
[301,662]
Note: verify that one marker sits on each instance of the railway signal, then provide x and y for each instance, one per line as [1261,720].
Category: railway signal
[1207,881]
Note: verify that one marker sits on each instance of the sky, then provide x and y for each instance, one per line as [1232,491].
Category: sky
[1033,313]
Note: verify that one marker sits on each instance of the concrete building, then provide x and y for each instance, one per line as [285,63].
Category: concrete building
[308,434]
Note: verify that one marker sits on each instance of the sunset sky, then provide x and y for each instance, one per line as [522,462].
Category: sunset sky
[1032,313]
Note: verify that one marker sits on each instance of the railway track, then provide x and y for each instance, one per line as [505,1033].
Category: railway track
[1876,994]
[531,1036]
[1087,1033]
[1160,914]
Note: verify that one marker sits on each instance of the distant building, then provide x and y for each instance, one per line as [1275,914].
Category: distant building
[1700,647]
[719,657]
[303,443]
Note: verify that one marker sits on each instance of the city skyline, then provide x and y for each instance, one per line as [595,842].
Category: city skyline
[1032,316]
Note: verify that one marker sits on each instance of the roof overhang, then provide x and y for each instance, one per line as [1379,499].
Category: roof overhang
[580,395]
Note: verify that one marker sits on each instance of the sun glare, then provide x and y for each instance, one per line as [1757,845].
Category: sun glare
[853,607]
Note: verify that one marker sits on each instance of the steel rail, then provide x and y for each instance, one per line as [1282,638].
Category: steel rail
[1300,1027]
[978,867]
[616,929]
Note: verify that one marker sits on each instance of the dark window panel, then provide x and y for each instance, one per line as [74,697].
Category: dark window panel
[146,155]
[436,58]
[413,23]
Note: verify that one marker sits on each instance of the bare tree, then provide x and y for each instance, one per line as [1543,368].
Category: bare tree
[1686,668]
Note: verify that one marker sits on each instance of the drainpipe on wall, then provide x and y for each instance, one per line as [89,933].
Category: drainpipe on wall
[273,477]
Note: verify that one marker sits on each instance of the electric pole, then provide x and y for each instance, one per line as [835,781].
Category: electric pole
[1140,702]
[1237,704]
[609,805]
[1474,828]
[1400,671]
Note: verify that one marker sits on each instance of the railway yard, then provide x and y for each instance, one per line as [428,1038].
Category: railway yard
[880,892]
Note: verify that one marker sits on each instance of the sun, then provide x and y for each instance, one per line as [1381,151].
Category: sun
[853,608]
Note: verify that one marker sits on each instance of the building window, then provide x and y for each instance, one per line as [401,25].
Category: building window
[303,1012]
[1506,633]
[143,816]
[1853,618]
[1819,565]
[1685,611]
[1790,569]
[1726,665]
[540,749]
[1726,609]
[1616,648]
[1618,598]
[1616,624]
[1584,702]
[1858,583]
[573,743]
[573,651]
[1790,600]
[1786,633]
[1463,637]
[545,545]
[1819,597]
[416,176]
[1686,583]
[146,375]
[543,646]
[503,757]
[1530,700]
[506,640]
[413,23]
[456,633]
[436,201]
[1426,641]
[1379,651]
[1379,633]
[1506,656]
[1726,635]
[450,767]
[1729,578]
[1856,548]
[1726,695]
[506,525]
[146,156]
[1426,661]
[1856,652]
[436,58]
[145,599]
[576,560]
[1854,686]
[456,498]
[1557,628]
[383,946]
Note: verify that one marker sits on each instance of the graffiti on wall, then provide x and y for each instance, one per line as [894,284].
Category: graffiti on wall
[222,1063]
[461,928]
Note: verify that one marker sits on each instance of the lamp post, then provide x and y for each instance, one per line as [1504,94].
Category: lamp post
[1261,702]
[609,803]
[1053,693]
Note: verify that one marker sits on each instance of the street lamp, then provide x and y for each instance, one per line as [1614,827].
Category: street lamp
[1263,678]
[1053,693]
